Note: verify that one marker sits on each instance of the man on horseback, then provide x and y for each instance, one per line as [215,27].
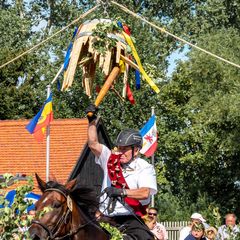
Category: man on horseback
[128,181]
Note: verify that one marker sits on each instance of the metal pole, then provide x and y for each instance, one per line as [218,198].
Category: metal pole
[153,161]
[48,141]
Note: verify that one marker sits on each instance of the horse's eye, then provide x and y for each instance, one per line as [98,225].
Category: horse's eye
[57,205]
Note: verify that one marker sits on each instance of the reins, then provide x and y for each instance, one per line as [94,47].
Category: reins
[112,204]
[52,233]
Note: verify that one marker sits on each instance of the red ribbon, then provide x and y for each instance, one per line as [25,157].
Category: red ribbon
[126,29]
[130,95]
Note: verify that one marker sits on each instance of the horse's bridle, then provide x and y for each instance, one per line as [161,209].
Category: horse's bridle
[52,233]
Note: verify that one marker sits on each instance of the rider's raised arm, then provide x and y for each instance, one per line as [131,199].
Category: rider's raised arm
[93,142]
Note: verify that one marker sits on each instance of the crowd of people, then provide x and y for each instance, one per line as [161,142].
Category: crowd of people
[198,229]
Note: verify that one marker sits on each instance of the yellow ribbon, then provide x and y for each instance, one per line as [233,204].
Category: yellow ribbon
[135,54]
[122,66]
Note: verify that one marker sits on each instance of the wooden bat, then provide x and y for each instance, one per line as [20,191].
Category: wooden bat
[112,76]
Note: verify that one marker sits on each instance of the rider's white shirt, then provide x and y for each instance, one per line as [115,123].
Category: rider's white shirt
[139,173]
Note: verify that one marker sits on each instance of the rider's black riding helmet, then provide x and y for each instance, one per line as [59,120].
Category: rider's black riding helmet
[129,137]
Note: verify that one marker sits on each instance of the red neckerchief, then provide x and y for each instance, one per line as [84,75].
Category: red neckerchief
[117,180]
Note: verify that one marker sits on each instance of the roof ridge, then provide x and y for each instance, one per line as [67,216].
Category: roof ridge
[21,122]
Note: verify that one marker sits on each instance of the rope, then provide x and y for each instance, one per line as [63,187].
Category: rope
[133,14]
[174,36]
[47,39]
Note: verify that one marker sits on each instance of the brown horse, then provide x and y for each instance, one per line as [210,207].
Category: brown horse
[66,212]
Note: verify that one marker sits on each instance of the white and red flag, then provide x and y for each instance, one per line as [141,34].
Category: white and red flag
[149,135]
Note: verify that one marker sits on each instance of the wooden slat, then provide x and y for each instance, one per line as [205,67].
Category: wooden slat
[118,52]
[173,228]
[125,80]
[77,45]
[128,61]
[107,63]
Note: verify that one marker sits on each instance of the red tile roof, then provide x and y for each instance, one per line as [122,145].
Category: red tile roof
[21,153]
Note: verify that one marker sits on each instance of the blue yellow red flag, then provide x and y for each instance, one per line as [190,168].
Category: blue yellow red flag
[37,126]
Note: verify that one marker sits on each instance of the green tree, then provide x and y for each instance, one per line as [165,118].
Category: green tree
[197,107]
[202,152]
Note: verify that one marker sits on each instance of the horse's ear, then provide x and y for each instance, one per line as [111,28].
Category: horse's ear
[42,185]
[69,185]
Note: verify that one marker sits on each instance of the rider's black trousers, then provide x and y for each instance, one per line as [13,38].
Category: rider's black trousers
[134,227]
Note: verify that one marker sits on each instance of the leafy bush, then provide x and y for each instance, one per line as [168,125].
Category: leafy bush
[115,233]
[14,220]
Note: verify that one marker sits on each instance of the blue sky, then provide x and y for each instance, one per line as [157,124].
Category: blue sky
[174,57]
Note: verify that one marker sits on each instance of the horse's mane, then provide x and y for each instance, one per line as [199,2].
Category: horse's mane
[85,197]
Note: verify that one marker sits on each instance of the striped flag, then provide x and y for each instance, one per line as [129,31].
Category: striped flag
[38,124]
[149,135]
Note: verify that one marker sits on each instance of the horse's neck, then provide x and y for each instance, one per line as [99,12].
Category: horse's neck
[88,230]
[77,221]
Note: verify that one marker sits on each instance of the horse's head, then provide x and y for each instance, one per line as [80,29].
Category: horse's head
[65,212]
[53,210]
